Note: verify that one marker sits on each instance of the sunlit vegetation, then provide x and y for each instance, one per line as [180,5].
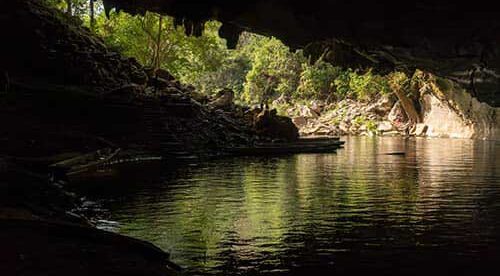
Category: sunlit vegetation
[259,69]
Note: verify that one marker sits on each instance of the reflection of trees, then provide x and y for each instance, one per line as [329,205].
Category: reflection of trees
[270,213]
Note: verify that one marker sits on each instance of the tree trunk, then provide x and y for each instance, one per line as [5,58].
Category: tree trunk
[408,106]
[69,7]
[158,43]
[92,15]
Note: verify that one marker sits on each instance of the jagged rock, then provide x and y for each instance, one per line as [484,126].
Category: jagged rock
[159,83]
[299,121]
[383,106]
[269,124]
[224,99]
[344,127]
[385,126]
[317,106]
[164,74]
[456,114]
[391,133]
[199,97]
[128,92]
[397,115]
[307,112]
[282,100]
[353,130]
[421,129]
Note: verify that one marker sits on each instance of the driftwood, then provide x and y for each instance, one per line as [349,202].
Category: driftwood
[86,162]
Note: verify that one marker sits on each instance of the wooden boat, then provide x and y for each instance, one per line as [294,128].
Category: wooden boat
[303,145]
[86,163]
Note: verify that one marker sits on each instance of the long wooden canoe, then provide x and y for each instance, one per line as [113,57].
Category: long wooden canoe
[307,145]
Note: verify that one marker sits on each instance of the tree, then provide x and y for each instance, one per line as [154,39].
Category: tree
[272,65]
[260,67]
[92,14]
[69,7]
[399,83]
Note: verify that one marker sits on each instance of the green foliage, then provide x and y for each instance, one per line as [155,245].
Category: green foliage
[275,70]
[261,68]
[444,84]
[371,126]
[365,86]
[317,80]
[194,60]
[398,80]
[77,8]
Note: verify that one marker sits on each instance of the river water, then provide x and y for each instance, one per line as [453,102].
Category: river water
[434,209]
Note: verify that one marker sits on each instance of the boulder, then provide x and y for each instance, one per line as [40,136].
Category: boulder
[385,126]
[282,100]
[164,74]
[199,97]
[421,129]
[397,116]
[307,112]
[385,104]
[159,83]
[317,106]
[224,99]
[139,77]
[300,121]
[344,128]
[268,123]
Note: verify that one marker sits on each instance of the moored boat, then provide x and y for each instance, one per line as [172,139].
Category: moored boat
[303,145]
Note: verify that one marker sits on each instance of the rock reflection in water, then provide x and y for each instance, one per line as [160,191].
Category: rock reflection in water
[433,209]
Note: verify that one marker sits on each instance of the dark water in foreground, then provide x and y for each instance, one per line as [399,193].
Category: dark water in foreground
[436,209]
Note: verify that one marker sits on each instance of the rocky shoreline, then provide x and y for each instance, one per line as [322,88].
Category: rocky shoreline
[65,96]
[442,108]
[45,232]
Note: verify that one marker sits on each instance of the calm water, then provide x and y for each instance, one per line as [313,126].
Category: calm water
[435,209]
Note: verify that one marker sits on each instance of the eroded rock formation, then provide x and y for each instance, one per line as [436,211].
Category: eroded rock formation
[441,108]
[449,111]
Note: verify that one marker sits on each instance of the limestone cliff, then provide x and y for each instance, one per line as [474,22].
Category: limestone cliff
[449,111]
[442,109]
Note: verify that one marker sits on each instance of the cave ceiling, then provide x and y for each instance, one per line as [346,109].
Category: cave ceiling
[454,39]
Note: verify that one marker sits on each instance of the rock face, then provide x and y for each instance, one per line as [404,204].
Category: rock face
[454,113]
[346,117]
[446,110]
[224,99]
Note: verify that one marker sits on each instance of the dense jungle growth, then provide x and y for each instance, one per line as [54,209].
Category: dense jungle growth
[260,67]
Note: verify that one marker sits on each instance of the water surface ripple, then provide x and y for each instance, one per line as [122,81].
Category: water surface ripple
[434,209]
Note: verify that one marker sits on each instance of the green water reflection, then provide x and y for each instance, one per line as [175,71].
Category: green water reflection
[281,215]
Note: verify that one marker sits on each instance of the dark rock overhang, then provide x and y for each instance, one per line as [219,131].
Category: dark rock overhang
[454,39]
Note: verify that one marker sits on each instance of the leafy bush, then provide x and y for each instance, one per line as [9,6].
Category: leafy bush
[317,80]
[259,68]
